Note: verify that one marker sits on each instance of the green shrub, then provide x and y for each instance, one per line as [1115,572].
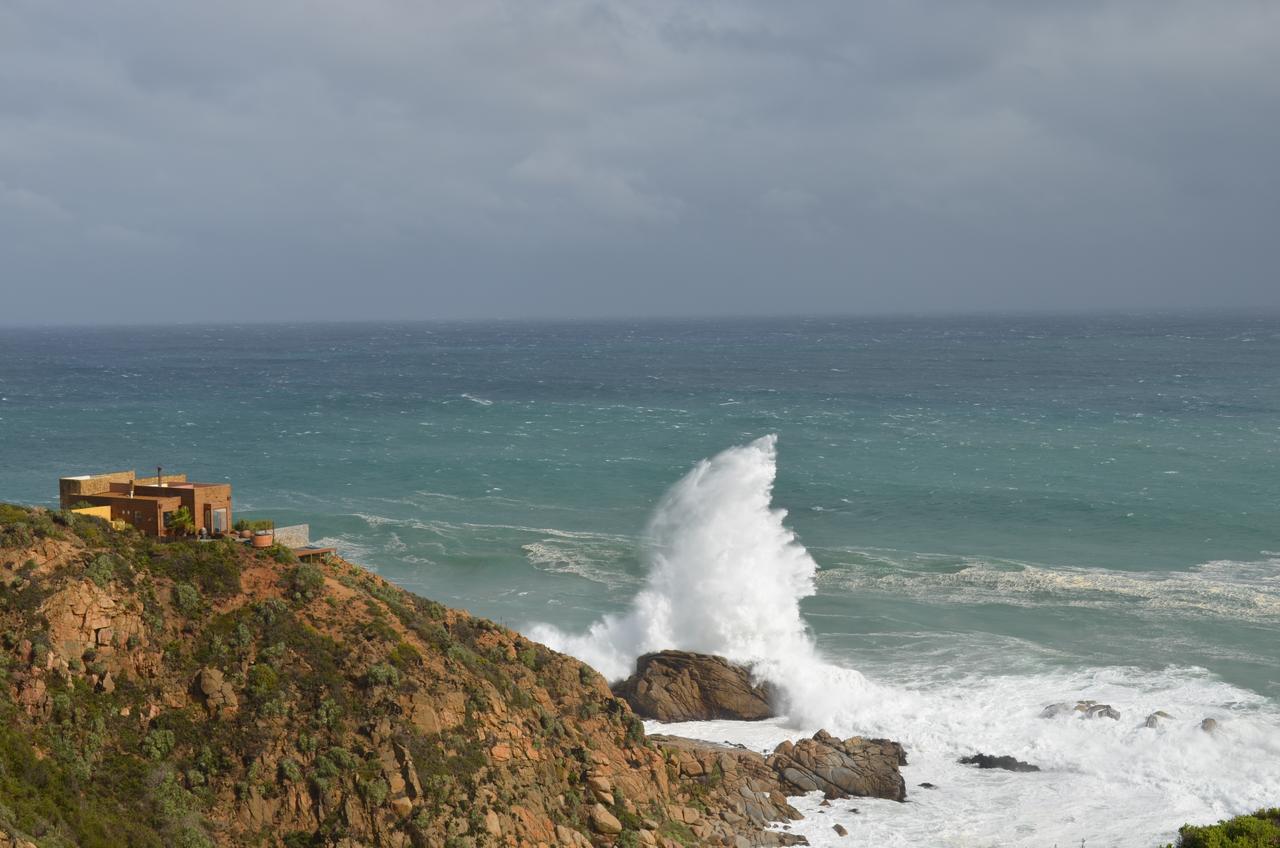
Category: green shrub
[213,568]
[262,682]
[254,524]
[635,731]
[158,744]
[404,655]
[1259,830]
[374,791]
[281,554]
[21,527]
[290,771]
[187,600]
[382,675]
[102,570]
[306,582]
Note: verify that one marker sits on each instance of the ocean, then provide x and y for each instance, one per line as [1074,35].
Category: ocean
[921,528]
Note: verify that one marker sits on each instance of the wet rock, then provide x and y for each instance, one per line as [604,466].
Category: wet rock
[1100,711]
[1055,710]
[927,785]
[840,769]
[1209,725]
[840,830]
[1153,720]
[988,761]
[683,686]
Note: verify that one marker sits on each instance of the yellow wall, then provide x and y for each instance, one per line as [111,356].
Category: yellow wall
[103,512]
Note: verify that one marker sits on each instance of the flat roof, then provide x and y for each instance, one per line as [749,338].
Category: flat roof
[125,496]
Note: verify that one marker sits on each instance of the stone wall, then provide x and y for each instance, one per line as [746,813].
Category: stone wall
[294,536]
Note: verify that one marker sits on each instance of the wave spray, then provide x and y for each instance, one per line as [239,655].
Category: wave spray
[726,576]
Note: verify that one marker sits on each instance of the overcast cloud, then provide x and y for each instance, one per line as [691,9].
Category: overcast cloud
[240,160]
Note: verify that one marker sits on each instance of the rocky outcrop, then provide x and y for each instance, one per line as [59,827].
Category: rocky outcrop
[988,761]
[1155,718]
[218,695]
[837,768]
[355,708]
[1091,710]
[672,686]
[1085,709]
[841,769]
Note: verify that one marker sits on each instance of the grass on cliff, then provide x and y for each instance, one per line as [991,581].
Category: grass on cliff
[313,678]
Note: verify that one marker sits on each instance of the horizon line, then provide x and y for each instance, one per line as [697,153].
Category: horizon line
[1271,311]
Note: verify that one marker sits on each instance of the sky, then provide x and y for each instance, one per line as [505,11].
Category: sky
[164,160]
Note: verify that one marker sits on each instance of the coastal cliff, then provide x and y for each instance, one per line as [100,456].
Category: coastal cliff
[198,694]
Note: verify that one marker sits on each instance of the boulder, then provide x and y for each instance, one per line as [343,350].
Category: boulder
[1153,720]
[987,761]
[603,821]
[218,694]
[841,769]
[1055,710]
[1209,725]
[683,686]
[1100,711]
[1086,709]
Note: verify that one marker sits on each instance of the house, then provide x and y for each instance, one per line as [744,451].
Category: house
[148,503]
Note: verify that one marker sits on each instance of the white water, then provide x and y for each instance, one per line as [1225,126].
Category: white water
[727,577]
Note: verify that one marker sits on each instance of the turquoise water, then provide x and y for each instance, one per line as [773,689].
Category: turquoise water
[1004,513]
[1094,490]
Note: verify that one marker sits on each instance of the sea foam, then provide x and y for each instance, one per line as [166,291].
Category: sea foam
[726,576]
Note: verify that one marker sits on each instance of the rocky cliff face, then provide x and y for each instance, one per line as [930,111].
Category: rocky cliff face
[202,694]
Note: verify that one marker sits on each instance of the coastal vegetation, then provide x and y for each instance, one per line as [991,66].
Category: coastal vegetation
[1258,830]
[206,693]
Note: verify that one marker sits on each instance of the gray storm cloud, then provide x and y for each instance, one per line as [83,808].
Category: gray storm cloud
[384,159]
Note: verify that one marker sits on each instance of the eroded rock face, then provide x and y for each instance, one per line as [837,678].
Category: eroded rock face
[218,695]
[838,768]
[674,686]
[841,769]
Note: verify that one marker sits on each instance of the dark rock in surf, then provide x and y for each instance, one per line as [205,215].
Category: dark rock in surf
[684,686]
[1153,720]
[1092,710]
[1055,710]
[1086,709]
[1209,725]
[987,761]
